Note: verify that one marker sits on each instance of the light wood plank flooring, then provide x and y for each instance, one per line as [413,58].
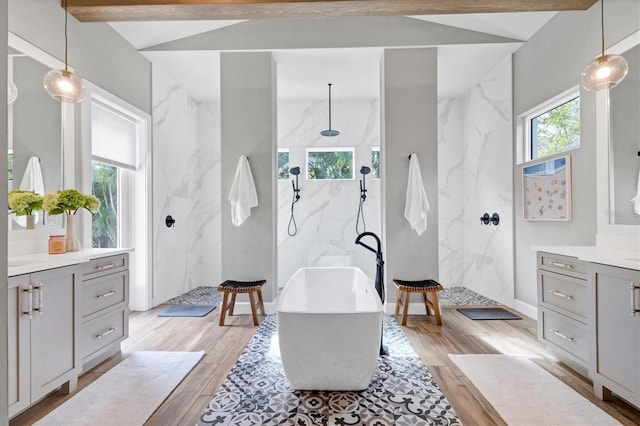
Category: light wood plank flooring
[223,345]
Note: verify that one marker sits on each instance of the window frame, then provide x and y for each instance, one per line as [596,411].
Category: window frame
[350,149]
[526,119]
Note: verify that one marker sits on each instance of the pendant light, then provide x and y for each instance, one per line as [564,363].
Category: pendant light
[606,71]
[329,132]
[63,85]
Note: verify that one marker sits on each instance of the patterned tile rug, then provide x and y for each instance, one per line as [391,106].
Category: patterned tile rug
[256,391]
[453,296]
[198,296]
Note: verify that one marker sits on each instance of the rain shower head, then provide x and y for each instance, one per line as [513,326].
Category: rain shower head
[330,132]
[294,171]
[365,170]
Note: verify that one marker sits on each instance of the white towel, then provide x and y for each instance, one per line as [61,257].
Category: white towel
[243,195]
[636,200]
[31,181]
[416,204]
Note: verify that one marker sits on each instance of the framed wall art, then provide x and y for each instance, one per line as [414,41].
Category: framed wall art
[547,189]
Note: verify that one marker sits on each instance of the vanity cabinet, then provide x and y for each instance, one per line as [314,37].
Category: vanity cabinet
[615,332]
[104,312]
[41,335]
[563,308]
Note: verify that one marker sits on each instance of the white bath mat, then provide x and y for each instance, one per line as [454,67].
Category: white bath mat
[129,393]
[523,393]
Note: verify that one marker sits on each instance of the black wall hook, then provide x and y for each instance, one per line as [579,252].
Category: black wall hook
[169,221]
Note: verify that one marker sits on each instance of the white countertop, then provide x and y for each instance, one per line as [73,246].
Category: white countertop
[25,264]
[607,256]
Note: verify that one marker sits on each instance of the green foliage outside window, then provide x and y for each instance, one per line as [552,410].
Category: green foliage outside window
[375,163]
[105,222]
[283,164]
[557,130]
[330,165]
[10,165]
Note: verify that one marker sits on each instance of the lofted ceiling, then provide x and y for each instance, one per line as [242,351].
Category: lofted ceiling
[354,70]
[158,10]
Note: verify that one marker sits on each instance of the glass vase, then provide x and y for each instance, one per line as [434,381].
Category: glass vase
[71,242]
[30,221]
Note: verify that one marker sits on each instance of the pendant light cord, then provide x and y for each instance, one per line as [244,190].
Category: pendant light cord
[66,39]
[602,23]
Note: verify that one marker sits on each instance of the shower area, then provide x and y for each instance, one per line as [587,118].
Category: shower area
[333,192]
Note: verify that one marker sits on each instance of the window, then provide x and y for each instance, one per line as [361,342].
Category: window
[113,154]
[283,164]
[10,165]
[554,127]
[105,223]
[375,163]
[330,163]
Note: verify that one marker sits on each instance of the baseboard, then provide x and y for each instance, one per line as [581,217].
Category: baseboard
[526,309]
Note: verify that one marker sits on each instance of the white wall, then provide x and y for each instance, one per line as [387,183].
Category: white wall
[488,185]
[327,210]
[451,192]
[475,176]
[186,163]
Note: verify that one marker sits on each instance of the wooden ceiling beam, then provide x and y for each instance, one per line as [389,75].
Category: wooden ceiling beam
[173,10]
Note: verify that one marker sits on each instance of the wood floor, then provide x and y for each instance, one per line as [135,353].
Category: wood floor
[223,345]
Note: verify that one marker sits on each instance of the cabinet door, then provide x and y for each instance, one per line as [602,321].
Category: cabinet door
[617,331]
[53,331]
[18,327]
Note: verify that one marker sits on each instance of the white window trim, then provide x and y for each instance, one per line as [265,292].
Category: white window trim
[350,149]
[140,260]
[524,122]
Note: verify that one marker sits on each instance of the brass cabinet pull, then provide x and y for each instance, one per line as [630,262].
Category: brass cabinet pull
[106,266]
[561,335]
[564,296]
[29,291]
[40,289]
[562,265]
[110,293]
[634,310]
[109,331]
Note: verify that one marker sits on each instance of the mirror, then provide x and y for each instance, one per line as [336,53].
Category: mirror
[617,160]
[35,128]
[624,143]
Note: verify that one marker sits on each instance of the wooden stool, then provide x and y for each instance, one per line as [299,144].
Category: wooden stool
[235,287]
[425,287]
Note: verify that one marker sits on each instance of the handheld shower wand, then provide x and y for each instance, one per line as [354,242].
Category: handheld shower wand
[292,229]
[364,170]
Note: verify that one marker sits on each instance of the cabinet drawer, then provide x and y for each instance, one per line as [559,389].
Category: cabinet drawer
[565,294]
[565,333]
[102,331]
[105,265]
[103,292]
[562,264]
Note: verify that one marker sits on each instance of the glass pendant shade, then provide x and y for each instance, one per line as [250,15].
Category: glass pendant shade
[64,86]
[605,72]
[12,92]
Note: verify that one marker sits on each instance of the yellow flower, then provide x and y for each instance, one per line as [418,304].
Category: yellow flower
[69,201]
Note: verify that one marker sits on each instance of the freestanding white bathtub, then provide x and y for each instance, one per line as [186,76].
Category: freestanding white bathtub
[329,329]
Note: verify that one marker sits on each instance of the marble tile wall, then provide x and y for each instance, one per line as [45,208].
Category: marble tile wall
[326,213]
[186,158]
[476,156]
